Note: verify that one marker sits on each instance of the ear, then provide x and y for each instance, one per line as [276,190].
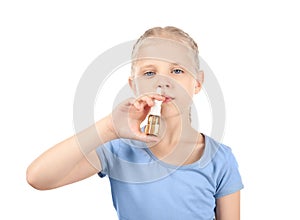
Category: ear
[199,81]
[132,84]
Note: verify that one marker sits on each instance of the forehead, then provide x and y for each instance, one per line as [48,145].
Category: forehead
[150,62]
[167,50]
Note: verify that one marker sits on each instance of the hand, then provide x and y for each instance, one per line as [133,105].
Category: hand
[128,116]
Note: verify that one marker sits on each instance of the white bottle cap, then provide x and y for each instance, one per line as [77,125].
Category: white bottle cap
[156,109]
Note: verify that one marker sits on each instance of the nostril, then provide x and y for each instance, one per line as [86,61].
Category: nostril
[163,85]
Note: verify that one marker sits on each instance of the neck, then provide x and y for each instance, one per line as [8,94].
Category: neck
[178,139]
[174,128]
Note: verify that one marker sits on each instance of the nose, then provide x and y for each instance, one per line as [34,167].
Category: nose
[163,82]
[163,86]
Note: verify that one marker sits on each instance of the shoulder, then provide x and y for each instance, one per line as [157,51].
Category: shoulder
[215,152]
[125,149]
[225,168]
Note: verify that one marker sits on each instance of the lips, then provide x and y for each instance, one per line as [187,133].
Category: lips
[168,98]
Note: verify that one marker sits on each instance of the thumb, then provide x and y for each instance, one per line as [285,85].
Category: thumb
[146,138]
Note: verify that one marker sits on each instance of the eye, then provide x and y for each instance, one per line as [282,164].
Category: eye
[149,73]
[177,71]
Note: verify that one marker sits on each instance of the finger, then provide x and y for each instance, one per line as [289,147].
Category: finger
[146,138]
[137,105]
[149,99]
[146,100]
[157,97]
[143,102]
[130,101]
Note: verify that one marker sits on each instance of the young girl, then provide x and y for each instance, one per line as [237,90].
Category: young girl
[177,174]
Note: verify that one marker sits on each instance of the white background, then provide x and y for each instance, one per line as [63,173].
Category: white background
[252,47]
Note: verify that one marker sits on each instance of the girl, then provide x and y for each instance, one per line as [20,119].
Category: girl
[178,174]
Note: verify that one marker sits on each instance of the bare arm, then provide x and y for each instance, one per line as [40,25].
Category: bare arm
[228,207]
[75,158]
[66,162]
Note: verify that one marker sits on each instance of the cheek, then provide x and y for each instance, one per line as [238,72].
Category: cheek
[144,86]
[189,87]
[184,94]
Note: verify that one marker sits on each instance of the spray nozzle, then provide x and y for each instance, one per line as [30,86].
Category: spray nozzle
[158,90]
[155,110]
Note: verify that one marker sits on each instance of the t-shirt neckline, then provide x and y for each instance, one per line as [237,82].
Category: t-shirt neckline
[186,166]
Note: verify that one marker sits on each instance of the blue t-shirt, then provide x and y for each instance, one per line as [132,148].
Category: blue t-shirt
[145,188]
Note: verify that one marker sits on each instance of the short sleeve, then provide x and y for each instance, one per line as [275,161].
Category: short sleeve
[229,180]
[106,154]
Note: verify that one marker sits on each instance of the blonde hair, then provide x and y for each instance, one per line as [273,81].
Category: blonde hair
[169,32]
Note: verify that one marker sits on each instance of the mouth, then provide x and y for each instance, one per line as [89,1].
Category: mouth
[168,99]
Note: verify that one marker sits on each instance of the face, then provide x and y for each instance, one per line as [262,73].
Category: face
[168,65]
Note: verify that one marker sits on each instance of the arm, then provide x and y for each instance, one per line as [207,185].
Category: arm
[228,207]
[75,158]
[66,162]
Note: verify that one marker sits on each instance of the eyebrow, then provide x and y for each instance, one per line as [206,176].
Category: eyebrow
[175,64]
[147,66]
[151,65]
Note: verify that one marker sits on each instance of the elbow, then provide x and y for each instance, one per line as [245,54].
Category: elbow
[33,178]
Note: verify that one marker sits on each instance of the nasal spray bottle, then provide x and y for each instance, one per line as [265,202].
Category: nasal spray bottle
[153,124]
